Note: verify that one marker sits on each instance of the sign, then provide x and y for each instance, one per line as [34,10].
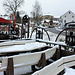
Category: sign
[13,32]
[39,34]
[70,39]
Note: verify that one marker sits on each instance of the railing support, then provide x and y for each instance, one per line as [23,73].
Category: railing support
[42,61]
[10,67]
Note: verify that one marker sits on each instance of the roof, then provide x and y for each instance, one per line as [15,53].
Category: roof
[5,17]
[55,21]
[4,21]
[47,14]
[67,12]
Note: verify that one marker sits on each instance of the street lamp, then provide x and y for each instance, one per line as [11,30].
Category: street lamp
[25,20]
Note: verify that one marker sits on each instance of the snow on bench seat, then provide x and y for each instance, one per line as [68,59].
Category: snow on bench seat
[17,42]
[26,47]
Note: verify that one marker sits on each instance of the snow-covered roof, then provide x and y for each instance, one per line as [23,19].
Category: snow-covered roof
[5,17]
[56,16]
[67,12]
[47,14]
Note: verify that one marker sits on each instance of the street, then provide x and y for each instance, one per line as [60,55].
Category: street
[53,30]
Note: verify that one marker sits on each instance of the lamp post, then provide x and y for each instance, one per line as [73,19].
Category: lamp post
[25,20]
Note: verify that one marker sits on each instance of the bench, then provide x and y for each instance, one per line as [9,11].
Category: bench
[57,67]
[9,63]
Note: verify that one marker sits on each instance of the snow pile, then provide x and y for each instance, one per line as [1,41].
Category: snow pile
[69,71]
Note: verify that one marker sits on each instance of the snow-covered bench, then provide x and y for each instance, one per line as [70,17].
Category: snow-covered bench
[9,63]
[58,66]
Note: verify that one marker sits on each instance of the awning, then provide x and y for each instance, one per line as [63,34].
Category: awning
[4,21]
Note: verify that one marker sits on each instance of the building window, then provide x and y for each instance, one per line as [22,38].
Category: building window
[69,12]
[64,21]
[72,16]
[65,15]
[46,17]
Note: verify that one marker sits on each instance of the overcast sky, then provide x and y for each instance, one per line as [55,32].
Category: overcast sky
[54,7]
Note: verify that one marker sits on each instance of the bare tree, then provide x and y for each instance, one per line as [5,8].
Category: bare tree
[37,12]
[11,6]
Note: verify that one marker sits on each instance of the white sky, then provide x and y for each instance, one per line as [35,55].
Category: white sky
[54,7]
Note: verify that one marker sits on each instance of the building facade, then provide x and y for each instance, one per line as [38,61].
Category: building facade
[67,17]
[47,18]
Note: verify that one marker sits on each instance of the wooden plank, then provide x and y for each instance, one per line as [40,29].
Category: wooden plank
[24,59]
[50,52]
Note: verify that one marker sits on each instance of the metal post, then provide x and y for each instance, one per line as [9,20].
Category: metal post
[60,51]
[22,29]
[28,29]
[66,36]
[4,72]
[42,33]
[13,25]
[18,31]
